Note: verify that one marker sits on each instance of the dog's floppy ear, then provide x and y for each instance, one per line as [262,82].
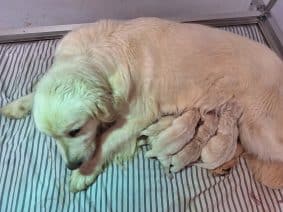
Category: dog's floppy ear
[98,98]
[102,105]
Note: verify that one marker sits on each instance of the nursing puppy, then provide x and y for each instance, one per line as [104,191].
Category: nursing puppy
[213,143]
[133,72]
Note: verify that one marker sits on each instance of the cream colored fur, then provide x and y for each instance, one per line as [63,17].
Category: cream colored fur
[135,71]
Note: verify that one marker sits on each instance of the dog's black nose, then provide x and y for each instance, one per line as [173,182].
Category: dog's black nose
[74,165]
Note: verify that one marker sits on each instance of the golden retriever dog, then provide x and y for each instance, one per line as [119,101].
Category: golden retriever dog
[134,72]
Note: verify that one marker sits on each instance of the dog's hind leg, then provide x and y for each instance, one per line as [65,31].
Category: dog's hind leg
[18,108]
[269,173]
[261,136]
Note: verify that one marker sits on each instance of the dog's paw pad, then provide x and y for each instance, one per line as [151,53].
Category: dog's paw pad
[79,182]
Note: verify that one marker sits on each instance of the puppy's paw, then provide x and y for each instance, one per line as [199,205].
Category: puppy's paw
[149,135]
[79,182]
[162,124]
[225,168]
[187,156]
[18,108]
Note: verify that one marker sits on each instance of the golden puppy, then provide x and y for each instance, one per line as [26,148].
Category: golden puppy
[133,72]
[213,139]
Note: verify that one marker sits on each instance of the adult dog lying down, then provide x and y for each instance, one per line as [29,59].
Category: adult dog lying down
[134,72]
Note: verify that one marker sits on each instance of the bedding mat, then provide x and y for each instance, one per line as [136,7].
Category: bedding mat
[34,178]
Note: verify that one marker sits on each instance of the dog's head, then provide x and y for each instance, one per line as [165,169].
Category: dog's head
[70,104]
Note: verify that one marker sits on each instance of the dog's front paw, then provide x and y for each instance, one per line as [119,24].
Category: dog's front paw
[80,182]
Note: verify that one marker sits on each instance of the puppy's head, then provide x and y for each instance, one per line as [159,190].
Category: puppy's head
[70,103]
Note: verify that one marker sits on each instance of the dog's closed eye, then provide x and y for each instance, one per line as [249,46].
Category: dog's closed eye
[74,133]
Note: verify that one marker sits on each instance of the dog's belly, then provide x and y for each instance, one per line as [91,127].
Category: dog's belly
[261,98]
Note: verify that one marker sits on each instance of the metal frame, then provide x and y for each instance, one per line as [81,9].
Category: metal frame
[259,14]
[53,32]
[270,33]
